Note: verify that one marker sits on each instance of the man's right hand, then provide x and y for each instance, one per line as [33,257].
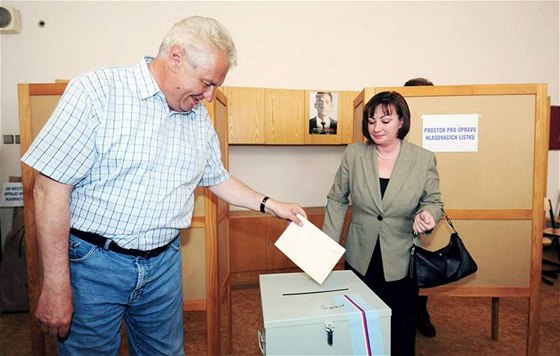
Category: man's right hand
[52,218]
[54,310]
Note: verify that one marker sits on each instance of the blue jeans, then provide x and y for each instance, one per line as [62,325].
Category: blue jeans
[108,286]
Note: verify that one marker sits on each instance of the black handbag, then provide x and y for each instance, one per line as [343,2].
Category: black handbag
[446,265]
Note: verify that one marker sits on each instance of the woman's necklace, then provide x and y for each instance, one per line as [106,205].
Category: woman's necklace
[388,158]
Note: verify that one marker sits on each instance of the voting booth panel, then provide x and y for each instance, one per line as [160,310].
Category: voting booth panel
[342,316]
[494,192]
[491,144]
[204,247]
[497,176]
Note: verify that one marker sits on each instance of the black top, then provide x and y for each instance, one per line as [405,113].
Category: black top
[383,183]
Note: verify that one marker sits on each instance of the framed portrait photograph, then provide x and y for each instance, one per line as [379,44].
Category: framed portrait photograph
[323,124]
[323,113]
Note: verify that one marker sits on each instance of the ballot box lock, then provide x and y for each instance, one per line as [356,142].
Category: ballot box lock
[329,328]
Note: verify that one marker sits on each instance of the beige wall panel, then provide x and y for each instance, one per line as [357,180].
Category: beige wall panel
[198,202]
[501,248]
[500,174]
[41,110]
[193,262]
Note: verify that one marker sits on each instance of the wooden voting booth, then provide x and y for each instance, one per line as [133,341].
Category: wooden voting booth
[204,246]
[494,195]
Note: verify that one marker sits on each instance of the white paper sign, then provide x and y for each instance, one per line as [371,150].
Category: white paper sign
[12,195]
[310,249]
[450,133]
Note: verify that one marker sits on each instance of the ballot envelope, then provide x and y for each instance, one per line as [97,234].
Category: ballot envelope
[342,316]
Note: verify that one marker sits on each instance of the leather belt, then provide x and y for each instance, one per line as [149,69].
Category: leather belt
[101,241]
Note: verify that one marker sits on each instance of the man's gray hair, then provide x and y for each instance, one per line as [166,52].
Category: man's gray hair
[199,37]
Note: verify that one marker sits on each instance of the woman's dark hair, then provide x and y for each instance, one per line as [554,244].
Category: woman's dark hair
[390,102]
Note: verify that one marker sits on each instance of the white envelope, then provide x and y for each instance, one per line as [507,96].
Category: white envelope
[310,249]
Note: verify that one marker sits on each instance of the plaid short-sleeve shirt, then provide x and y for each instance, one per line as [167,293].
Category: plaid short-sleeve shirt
[134,163]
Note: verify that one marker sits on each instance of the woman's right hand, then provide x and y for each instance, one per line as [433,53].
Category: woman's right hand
[423,222]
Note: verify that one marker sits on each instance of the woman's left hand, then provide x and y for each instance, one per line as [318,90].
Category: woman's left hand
[423,221]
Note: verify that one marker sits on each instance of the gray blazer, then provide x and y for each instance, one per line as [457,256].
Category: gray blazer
[414,186]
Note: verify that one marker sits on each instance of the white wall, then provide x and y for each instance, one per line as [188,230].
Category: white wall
[306,45]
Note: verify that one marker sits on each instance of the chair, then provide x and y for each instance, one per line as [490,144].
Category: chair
[551,239]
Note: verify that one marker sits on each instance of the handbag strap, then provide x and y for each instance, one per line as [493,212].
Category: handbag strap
[414,239]
[449,221]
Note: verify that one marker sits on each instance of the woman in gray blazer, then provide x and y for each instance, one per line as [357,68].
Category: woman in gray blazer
[394,188]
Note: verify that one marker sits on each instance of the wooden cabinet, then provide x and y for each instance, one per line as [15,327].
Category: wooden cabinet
[264,116]
[247,114]
[284,110]
[346,113]
[358,106]
[204,247]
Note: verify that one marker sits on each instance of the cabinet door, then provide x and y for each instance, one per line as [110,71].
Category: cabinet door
[246,115]
[358,110]
[346,114]
[284,110]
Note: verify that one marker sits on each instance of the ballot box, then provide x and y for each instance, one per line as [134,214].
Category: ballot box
[340,317]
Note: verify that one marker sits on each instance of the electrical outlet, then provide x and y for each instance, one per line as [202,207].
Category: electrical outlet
[8,139]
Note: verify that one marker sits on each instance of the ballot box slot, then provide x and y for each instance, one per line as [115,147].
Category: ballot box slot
[315,292]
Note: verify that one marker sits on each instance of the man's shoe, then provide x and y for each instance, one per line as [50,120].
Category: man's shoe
[426,328]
